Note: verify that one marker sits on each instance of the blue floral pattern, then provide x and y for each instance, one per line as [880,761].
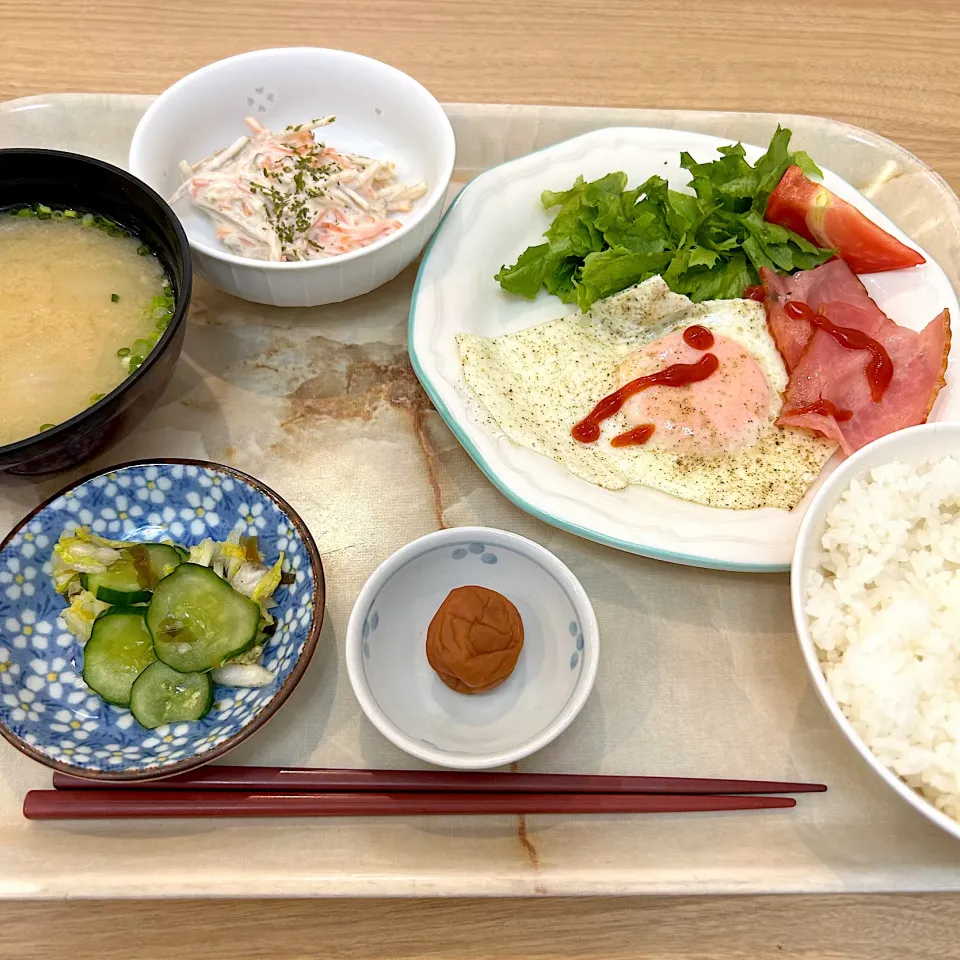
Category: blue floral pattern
[577,635]
[43,699]
[478,550]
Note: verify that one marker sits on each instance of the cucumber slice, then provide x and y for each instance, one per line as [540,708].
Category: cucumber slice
[131,579]
[162,695]
[119,649]
[198,620]
[119,584]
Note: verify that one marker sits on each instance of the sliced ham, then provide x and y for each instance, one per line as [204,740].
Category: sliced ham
[828,390]
[834,282]
[827,371]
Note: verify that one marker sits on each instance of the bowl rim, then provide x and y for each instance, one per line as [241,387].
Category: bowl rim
[285,689]
[480,761]
[805,543]
[182,304]
[436,194]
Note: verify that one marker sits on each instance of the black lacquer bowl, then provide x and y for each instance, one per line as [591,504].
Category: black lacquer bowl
[68,180]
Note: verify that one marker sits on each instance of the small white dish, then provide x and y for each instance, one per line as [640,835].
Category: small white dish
[911,446]
[494,218]
[409,704]
[380,112]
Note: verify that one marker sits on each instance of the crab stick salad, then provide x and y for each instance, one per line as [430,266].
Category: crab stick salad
[284,196]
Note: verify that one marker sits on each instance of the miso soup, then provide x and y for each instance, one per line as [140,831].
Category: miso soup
[82,304]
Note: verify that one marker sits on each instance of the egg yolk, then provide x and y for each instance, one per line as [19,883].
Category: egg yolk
[722,414]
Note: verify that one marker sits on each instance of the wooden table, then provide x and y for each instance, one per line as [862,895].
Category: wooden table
[883,64]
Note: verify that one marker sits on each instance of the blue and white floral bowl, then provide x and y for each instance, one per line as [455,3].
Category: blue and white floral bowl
[47,711]
[412,707]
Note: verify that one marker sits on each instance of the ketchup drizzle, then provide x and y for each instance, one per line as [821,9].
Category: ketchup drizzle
[634,437]
[700,338]
[879,369]
[676,375]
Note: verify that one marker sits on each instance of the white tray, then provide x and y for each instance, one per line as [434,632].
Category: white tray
[700,674]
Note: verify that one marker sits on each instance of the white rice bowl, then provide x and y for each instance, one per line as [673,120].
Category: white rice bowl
[882,606]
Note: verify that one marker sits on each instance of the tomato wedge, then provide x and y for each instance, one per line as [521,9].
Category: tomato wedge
[811,210]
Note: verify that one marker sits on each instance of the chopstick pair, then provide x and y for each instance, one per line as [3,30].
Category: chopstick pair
[222,791]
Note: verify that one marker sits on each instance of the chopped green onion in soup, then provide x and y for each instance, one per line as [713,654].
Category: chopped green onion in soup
[78,298]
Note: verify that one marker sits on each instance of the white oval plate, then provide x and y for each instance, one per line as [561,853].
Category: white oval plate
[499,214]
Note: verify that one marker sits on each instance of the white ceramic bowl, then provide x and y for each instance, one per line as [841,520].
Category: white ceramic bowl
[407,701]
[913,445]
[380,112]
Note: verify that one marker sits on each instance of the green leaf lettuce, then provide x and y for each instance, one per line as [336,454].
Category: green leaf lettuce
[708,244]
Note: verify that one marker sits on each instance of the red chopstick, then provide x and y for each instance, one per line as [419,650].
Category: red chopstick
[302,780]
[123,803]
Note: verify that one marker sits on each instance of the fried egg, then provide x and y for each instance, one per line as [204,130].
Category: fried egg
[713,442]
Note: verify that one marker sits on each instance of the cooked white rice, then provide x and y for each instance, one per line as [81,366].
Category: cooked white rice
[884,612]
